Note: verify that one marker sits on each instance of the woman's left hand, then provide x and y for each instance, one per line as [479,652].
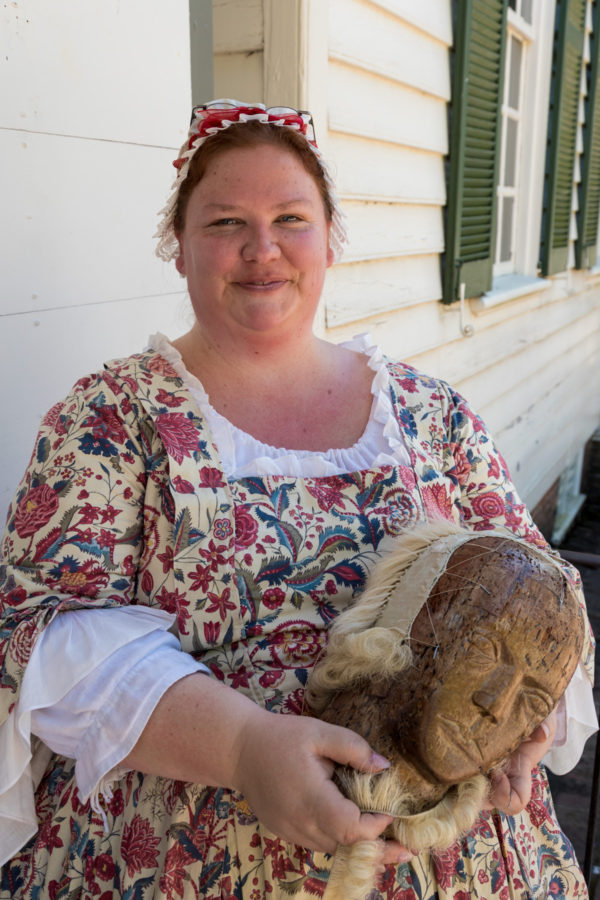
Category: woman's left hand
[511,787]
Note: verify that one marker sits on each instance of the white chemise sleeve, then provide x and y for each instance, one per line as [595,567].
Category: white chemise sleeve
[93,680]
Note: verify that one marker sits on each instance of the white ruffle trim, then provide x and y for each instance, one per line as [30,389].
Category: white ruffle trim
[243,455]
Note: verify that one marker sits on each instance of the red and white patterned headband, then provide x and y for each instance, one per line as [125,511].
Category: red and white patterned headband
[218,115]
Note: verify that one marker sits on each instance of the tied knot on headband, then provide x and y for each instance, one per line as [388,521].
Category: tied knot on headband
[210,118]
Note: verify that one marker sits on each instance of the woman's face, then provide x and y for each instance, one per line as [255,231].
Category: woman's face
[255,246]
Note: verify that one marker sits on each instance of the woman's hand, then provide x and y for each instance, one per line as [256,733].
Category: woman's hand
[511,787]
[204,732]
[284,769]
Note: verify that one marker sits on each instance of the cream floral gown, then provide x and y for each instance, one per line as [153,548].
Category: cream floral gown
[254,569]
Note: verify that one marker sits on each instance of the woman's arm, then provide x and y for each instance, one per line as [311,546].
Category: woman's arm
[205,732]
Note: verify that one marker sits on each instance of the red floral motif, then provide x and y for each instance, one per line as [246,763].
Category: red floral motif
[22,641]
[52,416]
[105,423]
[86,579]
[35,510]
[246,528]
[444,865]
[169,399]
[273,597]
[171,883]
[488,505]
[211,477]
[327,493]
[104,867]
[159,366]
[139,845]
[175,602]
[220,603]
[178,434]
[437,501]
[462,466]
[182,485]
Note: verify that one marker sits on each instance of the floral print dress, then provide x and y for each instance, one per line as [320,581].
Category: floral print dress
[125,502]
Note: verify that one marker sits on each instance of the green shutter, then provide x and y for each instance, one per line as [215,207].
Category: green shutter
[589,190]
[475,128]
[562,134]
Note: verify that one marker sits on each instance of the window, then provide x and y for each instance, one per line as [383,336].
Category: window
[512,138]
[517,65]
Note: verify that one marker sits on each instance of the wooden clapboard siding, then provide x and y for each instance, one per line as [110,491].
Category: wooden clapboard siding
[239,75]
[369,39]
[367,169]
[238,35]
[387,87]
[237,26]
[382,284]
[363,103]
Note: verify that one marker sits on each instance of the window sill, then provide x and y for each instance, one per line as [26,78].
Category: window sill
[509,287]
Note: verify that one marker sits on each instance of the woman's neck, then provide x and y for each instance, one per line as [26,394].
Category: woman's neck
[303,394]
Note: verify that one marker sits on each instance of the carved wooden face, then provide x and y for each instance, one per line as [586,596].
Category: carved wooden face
[493,649]
[509,634]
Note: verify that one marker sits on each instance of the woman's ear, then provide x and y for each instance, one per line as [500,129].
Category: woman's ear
[179,259]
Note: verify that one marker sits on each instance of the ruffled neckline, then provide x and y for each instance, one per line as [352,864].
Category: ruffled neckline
[242,455]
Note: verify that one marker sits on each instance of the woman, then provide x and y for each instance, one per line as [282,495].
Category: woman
[226,496]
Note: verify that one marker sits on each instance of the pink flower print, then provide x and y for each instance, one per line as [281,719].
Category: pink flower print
[222,529]
[488,505]
[437,502]
[462,466]
[178,434]
[35,510]
[139,846]
[246,528]
[160,366]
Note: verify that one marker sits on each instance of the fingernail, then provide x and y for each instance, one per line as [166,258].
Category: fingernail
[545,729]
[379,762]
[404,856]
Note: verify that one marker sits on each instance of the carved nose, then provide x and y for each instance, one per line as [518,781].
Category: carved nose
[494,695]
[488,703]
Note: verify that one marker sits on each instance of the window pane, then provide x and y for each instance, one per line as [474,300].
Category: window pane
[516,57]
[510,158]
[526,10]
[507,228]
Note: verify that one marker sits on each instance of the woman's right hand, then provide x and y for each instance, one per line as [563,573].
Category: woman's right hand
[284,769]
[204,732]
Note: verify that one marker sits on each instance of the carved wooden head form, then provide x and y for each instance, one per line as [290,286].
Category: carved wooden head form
[459,647]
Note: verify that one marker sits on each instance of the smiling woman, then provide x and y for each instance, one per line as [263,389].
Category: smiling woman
[193,519]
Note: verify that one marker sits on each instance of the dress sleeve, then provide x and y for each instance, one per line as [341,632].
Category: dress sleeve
[488,499]
[74,530]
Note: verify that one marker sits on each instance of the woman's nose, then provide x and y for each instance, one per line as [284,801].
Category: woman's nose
[260,245]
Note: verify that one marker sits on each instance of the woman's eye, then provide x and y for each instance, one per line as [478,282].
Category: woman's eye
[225,221]
[290,217]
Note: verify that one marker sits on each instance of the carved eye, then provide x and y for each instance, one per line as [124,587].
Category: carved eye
[483,650]
[536,702]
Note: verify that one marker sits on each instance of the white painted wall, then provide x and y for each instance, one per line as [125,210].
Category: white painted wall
[94,102]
